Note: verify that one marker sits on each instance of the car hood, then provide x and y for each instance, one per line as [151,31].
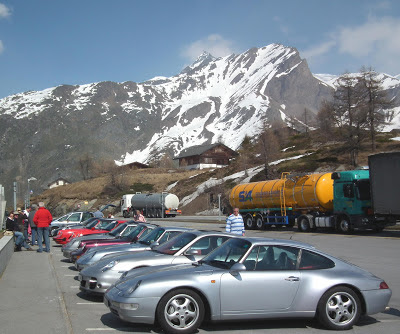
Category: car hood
[164,272]
[125,262]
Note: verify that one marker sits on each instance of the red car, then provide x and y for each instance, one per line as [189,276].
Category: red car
[100,225]
[140,231]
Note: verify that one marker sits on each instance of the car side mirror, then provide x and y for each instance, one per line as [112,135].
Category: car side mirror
[192,252]
[237,268]
[154,244]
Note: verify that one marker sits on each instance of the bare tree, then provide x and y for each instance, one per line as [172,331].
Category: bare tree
[85,164]
[347,113]
[268,147]
[246,153]
[375,102]
[325,120]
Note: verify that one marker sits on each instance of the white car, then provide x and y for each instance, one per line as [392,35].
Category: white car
[70,219]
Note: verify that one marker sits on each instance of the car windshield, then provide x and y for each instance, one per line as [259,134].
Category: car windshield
[152,236]
[228,253]
[135,232]
[118,230]
[128,230]
[102,224]
[61,218]
[110,226]
[175,244]
[92,224]
[87,221]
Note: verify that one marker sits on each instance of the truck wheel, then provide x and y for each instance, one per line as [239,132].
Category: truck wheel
[344,225]
[249,222]
[303,224]
[259,221]
[125,214]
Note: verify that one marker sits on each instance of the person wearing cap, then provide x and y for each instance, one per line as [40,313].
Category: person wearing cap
[12,225]
[42,220]
[32,224]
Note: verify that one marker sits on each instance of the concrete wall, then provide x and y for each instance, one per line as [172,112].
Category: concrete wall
[6,251]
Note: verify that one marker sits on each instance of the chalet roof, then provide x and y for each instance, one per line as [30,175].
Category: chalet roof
[57,180]
[199,149]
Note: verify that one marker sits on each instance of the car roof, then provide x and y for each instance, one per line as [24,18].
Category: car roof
[271,241]
[177,228]
[211,232]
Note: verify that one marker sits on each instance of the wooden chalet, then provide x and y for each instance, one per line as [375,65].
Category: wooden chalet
[205,156]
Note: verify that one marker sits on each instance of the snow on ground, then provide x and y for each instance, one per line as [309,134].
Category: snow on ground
[239,176]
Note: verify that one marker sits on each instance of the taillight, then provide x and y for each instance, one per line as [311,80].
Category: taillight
[383,285]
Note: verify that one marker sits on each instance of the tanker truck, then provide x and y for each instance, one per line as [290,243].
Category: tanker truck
[342,201]
[152,205]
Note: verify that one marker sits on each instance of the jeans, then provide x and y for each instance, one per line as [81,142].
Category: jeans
[34,235]
[43,232]
[20,240]
[26,236]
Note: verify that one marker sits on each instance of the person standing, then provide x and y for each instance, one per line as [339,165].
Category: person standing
[98,213]
[234,223]
[42,220]
[139,217]
[34,235]
[25,215]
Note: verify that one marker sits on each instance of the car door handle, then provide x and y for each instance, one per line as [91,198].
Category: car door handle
[292,279]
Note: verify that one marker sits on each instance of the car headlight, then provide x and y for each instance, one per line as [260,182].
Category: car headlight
[109,266]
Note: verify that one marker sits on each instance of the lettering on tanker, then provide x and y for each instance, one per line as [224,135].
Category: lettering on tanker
[245,196]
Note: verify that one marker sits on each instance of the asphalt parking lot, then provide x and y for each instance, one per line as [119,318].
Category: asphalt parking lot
[377,253]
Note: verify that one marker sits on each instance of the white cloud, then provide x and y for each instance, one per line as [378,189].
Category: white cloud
[214,44]
[1,47]
[318,50]
[375,40]
[4,11]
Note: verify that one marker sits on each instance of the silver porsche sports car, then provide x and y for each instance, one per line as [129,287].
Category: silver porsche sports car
[187,247]
[250,278]
[157,236]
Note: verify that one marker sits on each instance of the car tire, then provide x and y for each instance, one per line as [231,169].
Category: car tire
[180,312]
[339,308]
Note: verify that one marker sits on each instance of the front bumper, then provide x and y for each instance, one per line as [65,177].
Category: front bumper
[145,312]
[97,283]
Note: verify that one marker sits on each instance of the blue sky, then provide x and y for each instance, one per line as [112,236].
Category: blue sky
[46,43]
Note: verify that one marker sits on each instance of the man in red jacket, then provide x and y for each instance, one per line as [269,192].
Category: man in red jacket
[42,220]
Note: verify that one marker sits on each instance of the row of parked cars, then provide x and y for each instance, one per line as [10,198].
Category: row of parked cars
[178,277]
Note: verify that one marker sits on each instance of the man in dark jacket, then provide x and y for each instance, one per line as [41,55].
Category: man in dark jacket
[32,224]
[12,225]
[42,220]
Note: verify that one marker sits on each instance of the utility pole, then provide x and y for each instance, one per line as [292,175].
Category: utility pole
[219,206]
[15,196]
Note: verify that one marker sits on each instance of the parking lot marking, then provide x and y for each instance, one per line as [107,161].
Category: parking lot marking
[67,275]
[99,303]
[74,287]
[100,329]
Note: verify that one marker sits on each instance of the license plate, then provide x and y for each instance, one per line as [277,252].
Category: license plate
[80,277]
